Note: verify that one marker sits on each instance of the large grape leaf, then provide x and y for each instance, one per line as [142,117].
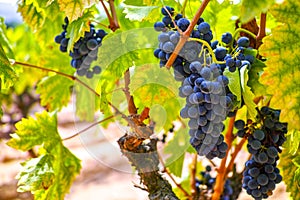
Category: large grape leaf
[7,73]
[282,74]
[55,92]
[75,8]
[252,8]
[50,175]
[176,149]
[290,170]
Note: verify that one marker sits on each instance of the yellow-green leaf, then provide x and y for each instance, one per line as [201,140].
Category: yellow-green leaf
[282,74]
[4,40]
[48,177]
[7,73]
[55,92]
[74,8]
[31,132]
[290,169]
[32,13]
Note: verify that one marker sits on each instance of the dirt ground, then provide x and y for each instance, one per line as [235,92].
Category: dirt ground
[105,174]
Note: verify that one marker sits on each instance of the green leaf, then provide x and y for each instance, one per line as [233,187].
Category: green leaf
[37,174]
[86,101]
[77,28]
[252,8]
[31,132]
[4,40]
[48,177]
[75,8]
[7,74]
[138,13]
[234,83]
[255,72]
[248,95]
[177,148]
[290,169]
[55,92]
[282,74]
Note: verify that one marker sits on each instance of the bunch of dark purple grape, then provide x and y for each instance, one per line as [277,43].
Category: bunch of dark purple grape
[208,99]
[264,141]
[85,50]
[205,185]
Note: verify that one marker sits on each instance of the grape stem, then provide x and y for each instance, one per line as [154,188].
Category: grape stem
[115,24]
[239,30]
[87,128]
[131,106]
[59,73]
[204,43]
[113,20]
[262,27]
[186,34]
[178,185]
[221,177]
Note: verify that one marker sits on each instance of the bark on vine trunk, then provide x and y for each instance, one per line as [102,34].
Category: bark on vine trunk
[144,157]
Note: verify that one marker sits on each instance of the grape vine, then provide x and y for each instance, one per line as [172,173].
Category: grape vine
[206,91]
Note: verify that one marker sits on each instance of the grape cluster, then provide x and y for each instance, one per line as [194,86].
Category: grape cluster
[208,99]
[85,50]
[240,55]
[264,140]
[206,185]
